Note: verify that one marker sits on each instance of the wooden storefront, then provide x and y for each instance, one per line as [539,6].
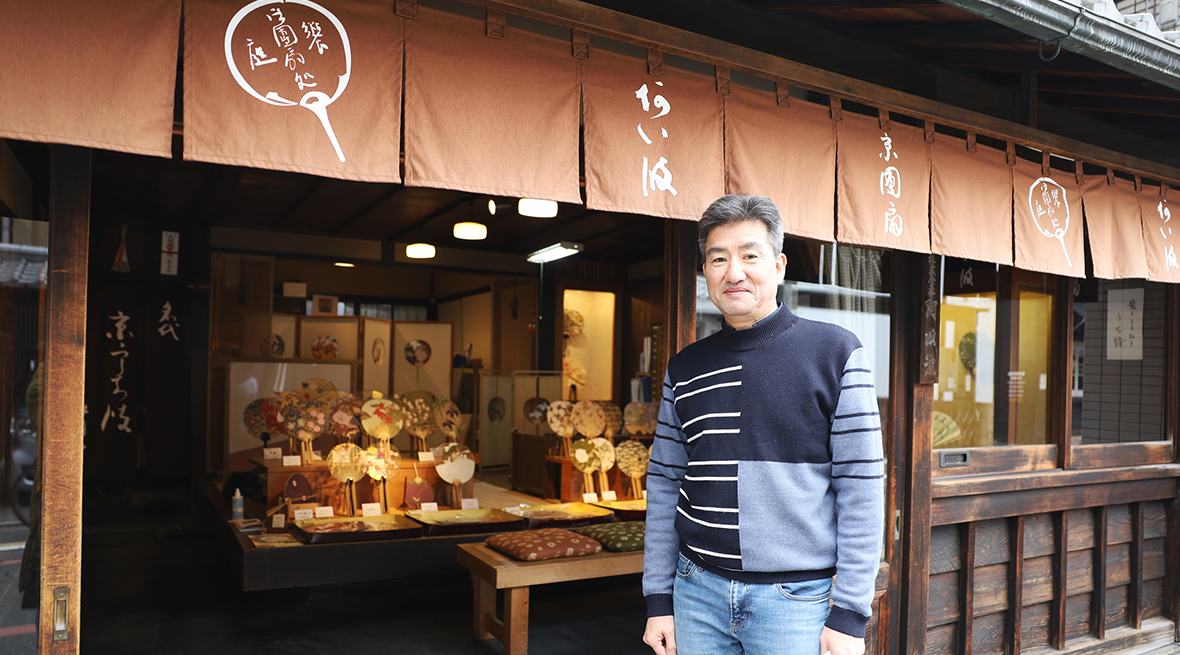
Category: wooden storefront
[1023,534]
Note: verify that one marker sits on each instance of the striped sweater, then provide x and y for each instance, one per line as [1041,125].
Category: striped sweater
[767,464]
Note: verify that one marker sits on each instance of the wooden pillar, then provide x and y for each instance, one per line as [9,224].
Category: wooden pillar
[63,398]
[916,402]
[1015,585]
[680,286]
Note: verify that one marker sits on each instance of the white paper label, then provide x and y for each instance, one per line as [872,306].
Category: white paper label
[292,460]
[645,494]
[590,498]
[470,503]
[948,396]
[371,509]
[324,512]
[426,456]
[272,453]
[278,520]
[609,496]
[304,514]
[169,253]
[429,507]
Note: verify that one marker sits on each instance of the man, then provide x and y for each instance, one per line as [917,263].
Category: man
[766,475]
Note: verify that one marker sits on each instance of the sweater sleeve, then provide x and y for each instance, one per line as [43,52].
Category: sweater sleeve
[858,473]
[669,461]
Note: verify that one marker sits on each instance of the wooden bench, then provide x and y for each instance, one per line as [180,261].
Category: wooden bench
[494,571]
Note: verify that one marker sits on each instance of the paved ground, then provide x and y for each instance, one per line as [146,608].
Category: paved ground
[154,584]
[17,626]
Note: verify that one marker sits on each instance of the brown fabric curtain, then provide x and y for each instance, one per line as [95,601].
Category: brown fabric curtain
[86,73]
[785,153]
[1114,228]
[496,116]
[1047,219]
[653,143]
[290,87]
[882,184]
[1161,232]
[970,201]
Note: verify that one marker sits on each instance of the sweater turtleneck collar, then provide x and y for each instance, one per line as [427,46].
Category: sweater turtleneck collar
[761,332]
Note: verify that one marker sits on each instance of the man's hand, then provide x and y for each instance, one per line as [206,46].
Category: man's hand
[830,641]
[661,635]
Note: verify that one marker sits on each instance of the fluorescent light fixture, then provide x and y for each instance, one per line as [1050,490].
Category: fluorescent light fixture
[537,208]
[554,252]
[420,251]
[470,231]
[345,264]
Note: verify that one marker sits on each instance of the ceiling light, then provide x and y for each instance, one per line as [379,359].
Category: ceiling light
[470,231]
[555,251]
[345,264]
[420,251]
[491,206]
[537,208]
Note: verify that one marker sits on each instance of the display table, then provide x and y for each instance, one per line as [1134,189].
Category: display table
[322,564]
[493,571]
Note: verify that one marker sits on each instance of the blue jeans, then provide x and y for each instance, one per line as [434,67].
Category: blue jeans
[718,616]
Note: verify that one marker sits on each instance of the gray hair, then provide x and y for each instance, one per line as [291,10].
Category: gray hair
[737,207]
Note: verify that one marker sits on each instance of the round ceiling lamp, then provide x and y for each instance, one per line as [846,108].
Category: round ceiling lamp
[470,231]
[420,251]
[537,208]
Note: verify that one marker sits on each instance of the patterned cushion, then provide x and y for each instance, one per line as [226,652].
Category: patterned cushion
[549,543]
[621,537]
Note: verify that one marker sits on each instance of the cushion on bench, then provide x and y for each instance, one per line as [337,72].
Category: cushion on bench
[621,537]
[538,545]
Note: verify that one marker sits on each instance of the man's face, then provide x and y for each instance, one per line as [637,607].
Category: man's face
[742,272]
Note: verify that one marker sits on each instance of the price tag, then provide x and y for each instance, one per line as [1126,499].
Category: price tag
[429,507]
[470,503]
[292,460]
[304,514]
[590,498]
[426,456]
[324,512]
[272,453]
[278,521]
[645,494]
[609,496]
[371,509]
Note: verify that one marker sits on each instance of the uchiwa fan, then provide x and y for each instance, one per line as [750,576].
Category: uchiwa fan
[585,458]
[418,491]
[632,458]
[446,417]
[291,409]
[455,464]
[255,422]
[311,422]
[614,419]
[345,417]
[606,460]
[382,420]
[346,463]
[561,420]
[381,463]
[418,409]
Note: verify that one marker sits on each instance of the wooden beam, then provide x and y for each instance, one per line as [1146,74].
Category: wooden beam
[1015,584]
[311,189]
[680,286]
[1135,588]
[948,511]
[966,585]
[63,398]
[1098,596]
[421,222]
[1057,610]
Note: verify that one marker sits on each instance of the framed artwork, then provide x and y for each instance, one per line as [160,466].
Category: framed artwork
[282,343]
[376,355]
[323,305]
[329,337]
[248,380]
[421,356]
